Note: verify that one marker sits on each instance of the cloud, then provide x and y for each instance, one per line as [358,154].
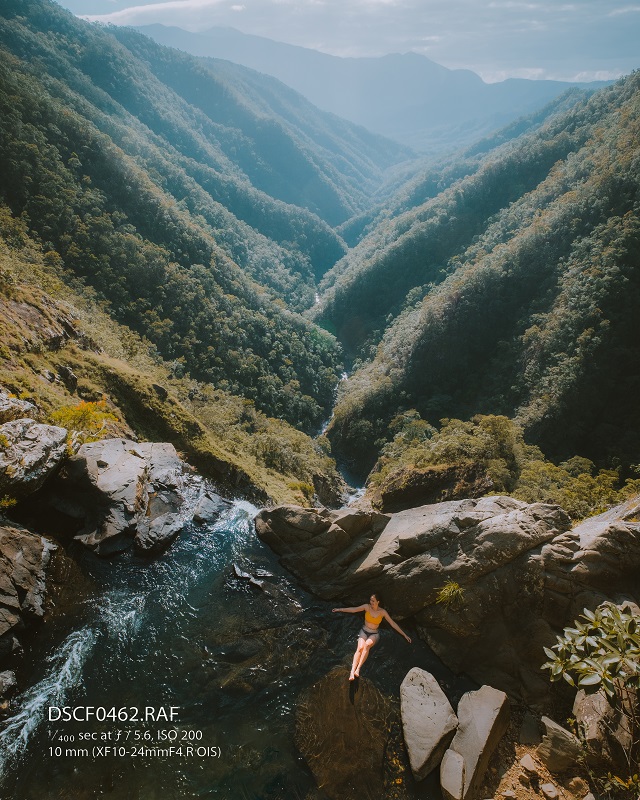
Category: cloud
[509,37]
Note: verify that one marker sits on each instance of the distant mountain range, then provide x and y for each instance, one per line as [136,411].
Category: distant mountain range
[406,97]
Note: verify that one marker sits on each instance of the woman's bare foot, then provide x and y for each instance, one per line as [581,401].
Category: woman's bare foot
[356,674]
[352,676]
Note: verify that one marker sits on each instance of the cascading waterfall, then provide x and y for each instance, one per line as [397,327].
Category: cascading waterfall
[117,617]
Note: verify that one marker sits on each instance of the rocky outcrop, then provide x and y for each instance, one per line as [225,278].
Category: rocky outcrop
[122,493]
[490,547]
[320,546]
[343,732]
[607,733]
[23,560]
[559,748]
[407,487]
[520,572]
[428,721]
[29,454]
[597,560]
[483,718]
[13,408]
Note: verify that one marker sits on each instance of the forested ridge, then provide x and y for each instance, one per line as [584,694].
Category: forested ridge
[149,200]
[515,291]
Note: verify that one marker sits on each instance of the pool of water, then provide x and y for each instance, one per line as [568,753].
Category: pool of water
[186,631]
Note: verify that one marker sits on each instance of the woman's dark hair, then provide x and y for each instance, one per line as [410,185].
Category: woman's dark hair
[377,595]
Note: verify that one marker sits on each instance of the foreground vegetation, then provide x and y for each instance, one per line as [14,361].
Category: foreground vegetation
[495,446]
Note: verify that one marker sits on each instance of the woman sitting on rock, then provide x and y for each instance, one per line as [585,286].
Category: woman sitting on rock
[369,633]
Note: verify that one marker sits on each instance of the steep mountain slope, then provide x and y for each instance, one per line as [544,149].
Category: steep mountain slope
[63,353]
[147,198]
[515,291]
[407,97]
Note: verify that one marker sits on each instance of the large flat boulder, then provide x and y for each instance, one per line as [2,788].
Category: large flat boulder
[428,721]
[483,718]
[30,452]
[24,557]
[122,493]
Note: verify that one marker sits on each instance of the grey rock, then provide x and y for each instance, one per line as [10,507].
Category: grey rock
[483,718]
[208,508]
[559,748]
[529,765]
[490,546]
[34,451]
[124,492]
[24,558]
[13,408]
[549,791]
[607,733]
[159,534]
[428,721]
[452,775]
[7,683]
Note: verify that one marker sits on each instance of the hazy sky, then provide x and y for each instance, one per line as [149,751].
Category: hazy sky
[583,40]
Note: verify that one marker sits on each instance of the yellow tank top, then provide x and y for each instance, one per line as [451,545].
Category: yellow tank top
[371,619]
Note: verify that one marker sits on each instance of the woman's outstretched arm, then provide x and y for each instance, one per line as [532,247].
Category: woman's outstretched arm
[351,610]
[394,625]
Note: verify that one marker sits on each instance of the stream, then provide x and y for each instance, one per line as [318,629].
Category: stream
[190,631]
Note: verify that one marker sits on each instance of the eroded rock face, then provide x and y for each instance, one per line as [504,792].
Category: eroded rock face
[428,721]
[23,561]
[407,487]
[30,453]
[607,732]
[597,560]
[123,492]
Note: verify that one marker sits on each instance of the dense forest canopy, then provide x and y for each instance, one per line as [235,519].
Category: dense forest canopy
[514,291]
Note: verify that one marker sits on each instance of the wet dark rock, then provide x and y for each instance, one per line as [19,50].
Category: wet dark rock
[342,730]
[7,683]
[30,454]
[209,507]
[24,557]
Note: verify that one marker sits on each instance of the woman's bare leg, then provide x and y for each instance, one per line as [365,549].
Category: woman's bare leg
[363,656]
[356,658]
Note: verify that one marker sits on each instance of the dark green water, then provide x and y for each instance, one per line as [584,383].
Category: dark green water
[185,631]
